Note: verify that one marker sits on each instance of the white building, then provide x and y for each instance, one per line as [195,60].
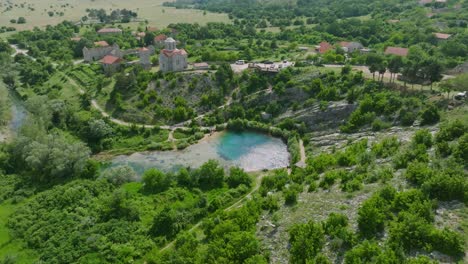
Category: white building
[171,58]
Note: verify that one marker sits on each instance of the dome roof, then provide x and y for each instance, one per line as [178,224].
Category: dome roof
[170,40]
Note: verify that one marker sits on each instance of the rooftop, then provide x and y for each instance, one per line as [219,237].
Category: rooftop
[442,35]
[170,53]
[396,51]
[110,30]
[200,64]
[101,43]
[160,37]
[109,59]
[324,47]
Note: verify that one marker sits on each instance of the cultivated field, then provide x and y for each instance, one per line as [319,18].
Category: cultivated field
[37,12]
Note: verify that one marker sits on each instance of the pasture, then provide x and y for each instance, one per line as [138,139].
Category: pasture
[37,12]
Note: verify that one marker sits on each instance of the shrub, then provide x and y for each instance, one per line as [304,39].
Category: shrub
[238,176]
[430,115]
[418,172]
[422,136]
[334,222]
[119,175]
[451,131]
[372,216]
[290,196]
[270,203]
[386,148]
[321,162]
[155,181]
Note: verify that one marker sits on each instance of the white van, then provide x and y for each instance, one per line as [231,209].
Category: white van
[240,62]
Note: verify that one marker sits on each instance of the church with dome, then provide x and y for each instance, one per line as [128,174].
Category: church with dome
[171,58]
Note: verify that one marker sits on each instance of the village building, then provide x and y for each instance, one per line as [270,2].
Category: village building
[323,47]
[397,51]
[350,47]
[442,36]
[201,66]
[139,35]
[145,56]
[171,58]
[109,31]
[159,40]
[110,64]
[100,50]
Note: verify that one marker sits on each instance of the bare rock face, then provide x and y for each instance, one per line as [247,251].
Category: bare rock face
[317,119]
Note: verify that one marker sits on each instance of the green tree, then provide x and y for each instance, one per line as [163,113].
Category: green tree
[238,176]
[155,181]
[306,242]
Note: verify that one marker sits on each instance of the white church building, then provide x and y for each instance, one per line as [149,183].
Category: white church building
[171,58]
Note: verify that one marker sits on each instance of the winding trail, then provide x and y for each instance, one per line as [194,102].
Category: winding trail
[96,106]
[227,209]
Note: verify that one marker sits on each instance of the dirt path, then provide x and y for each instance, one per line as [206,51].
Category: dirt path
[302,162]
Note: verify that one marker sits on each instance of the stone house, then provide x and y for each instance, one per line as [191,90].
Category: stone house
[171,58]
[350,47]
[145,56]
[100,50]
[110,64]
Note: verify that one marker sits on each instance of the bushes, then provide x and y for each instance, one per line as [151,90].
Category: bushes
[274,182]
[290,196]
[119,175]
[446,187]
[451,131]
[294,149]
[430,115]
[418,172]
[306,241]
[422,136]
[237,176]
[386,147]
[155,181]
[372,215]
[321,162]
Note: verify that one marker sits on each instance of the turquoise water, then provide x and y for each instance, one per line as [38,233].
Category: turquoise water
[233,146]
[249,150]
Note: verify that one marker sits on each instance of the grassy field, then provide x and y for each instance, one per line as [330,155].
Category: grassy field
[36,12]
[8,247]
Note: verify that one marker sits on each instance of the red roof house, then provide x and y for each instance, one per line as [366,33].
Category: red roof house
[110,64]
[109,59]
[442,35]
[396,51]
[324,47]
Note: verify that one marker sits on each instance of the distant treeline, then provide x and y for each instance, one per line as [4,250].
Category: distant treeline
[118,15]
